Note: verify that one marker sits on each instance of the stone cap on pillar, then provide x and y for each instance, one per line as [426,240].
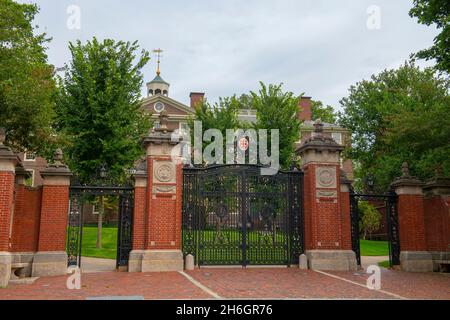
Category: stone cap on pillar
[161,136]
[344,179]
[7,156]
[319,148]
[439,185]
[406,183]
[140,173]
[56,168]
[21,174]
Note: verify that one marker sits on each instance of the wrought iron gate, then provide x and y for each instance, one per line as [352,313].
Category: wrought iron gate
[233,215]
[383,202]
[79,194]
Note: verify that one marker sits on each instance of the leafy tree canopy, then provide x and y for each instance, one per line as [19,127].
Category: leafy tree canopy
[26,80]
[275,109]
[99,106]
[396,116]
[326,114]
[435,12]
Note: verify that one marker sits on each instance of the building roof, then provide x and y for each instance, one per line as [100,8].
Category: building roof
[158,79]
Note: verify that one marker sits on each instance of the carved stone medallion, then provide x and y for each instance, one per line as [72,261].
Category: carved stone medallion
[326,177]
[164,172]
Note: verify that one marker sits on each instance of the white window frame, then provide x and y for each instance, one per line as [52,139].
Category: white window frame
[159,103]
[29,160]
[339,135]
[93,209]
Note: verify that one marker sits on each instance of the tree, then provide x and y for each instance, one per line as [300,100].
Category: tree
[26,80]
[326,114]
[276,109]
[99,108]
[435,12]
[396,116]
[221,116]
[370,219]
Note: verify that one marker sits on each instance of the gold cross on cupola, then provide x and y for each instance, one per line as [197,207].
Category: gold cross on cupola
[158,55]
[158,86]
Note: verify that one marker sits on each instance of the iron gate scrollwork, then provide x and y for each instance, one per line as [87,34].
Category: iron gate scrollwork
[386,204]
[232,214]
[78,195]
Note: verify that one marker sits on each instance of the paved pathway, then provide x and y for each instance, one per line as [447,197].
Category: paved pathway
[372,260]
[237,283]
[92,265]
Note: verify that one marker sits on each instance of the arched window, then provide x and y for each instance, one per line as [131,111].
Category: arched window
[150,92]
[157,91]
[165,92]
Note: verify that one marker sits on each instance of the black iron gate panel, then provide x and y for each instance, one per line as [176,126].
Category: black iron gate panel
[382,202]
[74,231]
[79,195]
[125,229]
[233,215]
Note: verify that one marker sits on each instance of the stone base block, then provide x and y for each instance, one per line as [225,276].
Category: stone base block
[135,261]
[441,261]
[333,260]
[49,264]
[5,268]
[416,261]
[22,262]
[162,260]
[24,281]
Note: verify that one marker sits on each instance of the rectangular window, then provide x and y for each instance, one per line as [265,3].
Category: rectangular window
[29,156]
[156,125]
[337,136]
[95,209]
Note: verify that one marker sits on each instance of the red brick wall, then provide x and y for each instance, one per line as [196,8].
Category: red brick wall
[164,218]
[139,218]
[411,223]
[346,237]
[6,203]
[53,224]
[26,218]
[437,223]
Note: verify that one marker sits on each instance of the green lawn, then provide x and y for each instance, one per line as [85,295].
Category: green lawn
[384,264]
[374,248]
[109,243]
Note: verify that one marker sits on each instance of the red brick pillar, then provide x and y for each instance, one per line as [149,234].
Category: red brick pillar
[139,222]
[437,219]
[327,233]
[51,258]
[162,219]
[414,256]
[8,163]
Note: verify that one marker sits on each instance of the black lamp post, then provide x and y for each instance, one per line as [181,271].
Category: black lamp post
[103,172]
[369,183]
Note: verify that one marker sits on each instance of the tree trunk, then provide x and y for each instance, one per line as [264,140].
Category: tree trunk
[100,224]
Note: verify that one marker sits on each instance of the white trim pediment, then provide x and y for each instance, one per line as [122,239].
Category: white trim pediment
[169,101]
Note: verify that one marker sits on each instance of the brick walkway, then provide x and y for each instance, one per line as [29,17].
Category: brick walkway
[238,284]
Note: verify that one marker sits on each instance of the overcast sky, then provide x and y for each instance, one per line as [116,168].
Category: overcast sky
[223,47]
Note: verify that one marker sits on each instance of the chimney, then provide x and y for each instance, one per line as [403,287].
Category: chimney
[305,109]
[196,98]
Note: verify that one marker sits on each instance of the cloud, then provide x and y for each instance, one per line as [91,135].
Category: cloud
[223,47]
